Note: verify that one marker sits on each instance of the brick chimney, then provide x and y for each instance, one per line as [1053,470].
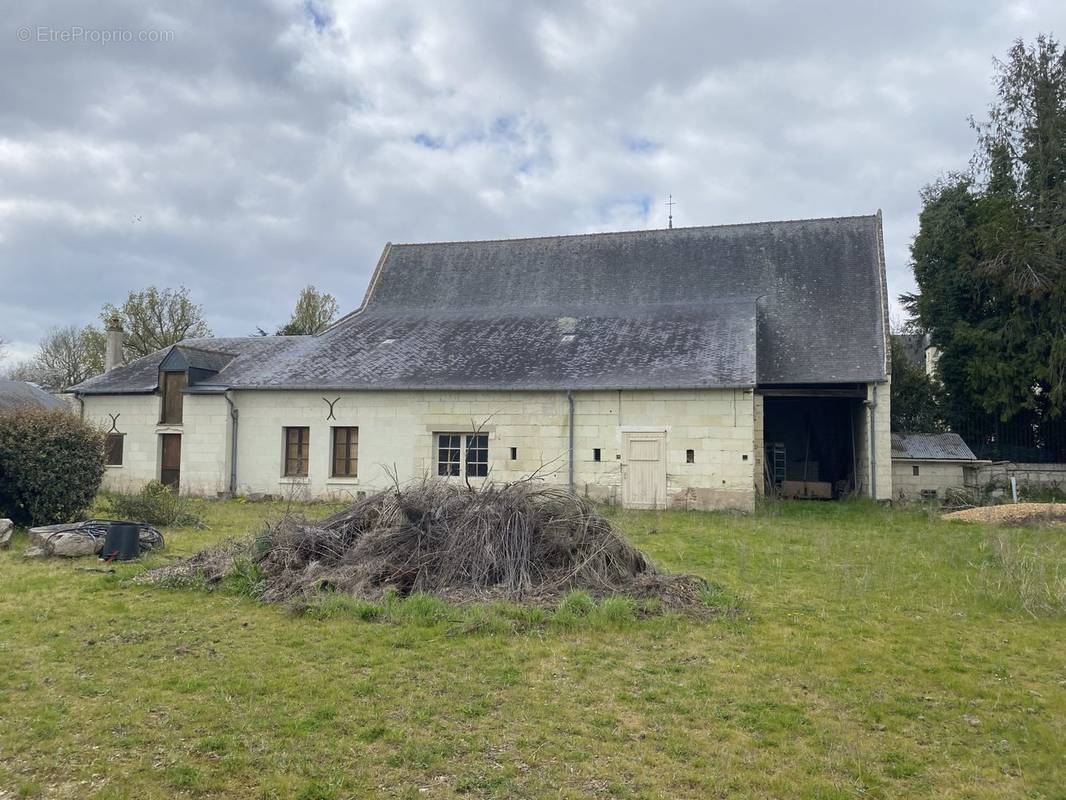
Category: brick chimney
[113,353]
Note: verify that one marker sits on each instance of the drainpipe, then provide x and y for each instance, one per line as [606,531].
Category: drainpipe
[232,446]
[872,405]
[570,445]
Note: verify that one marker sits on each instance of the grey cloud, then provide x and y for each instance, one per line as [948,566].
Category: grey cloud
[265,147]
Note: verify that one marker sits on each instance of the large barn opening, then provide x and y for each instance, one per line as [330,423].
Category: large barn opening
[812,443]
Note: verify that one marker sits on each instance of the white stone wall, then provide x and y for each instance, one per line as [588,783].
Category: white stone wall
[138,418]
[1029,476]
[759,454]
[396,434]
[204,441]
[932,475]
[205,449]
[883,435]
[722,427]
[882,449]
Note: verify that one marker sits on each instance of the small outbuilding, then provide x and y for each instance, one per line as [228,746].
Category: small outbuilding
[17,394]
[926,465]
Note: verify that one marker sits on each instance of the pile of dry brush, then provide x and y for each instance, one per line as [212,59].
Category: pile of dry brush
[520,542]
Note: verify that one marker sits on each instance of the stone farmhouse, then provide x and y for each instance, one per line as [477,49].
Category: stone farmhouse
[692,367]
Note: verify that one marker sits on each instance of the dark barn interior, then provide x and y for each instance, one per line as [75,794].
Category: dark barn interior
[810,445]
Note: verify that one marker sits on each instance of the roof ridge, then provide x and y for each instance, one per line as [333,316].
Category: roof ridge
[639,231]
[205,349]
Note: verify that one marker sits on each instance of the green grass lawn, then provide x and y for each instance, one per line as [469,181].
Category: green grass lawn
[878,653]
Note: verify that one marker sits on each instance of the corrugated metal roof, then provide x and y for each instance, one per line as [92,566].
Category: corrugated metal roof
[686,307]
[931,447]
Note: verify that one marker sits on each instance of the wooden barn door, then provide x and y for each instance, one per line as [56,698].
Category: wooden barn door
[644,469]
[170,462]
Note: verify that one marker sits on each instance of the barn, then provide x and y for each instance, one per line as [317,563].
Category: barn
[687,367]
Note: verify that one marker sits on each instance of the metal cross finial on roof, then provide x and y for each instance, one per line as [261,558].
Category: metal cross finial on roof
[670,205]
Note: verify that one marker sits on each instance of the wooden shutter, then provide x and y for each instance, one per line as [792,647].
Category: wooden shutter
[173,384]
[113,449]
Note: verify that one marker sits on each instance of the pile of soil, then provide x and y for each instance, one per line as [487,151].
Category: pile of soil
[1013,514]
[520,542]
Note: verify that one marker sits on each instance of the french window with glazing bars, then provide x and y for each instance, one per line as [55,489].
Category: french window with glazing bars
[345,452]
[297,451]
[463,454]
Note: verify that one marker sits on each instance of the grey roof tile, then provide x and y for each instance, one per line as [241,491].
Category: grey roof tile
[15,394]
[641,309]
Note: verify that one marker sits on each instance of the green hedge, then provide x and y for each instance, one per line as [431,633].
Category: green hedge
[51,465]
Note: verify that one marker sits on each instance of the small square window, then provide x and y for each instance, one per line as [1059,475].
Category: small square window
[690,456]
[915,470]
[596,454]
[514,453]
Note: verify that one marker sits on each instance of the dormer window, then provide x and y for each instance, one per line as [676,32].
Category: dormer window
[172,387]
[183,367]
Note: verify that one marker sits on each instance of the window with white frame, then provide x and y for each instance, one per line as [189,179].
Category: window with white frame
[463,454]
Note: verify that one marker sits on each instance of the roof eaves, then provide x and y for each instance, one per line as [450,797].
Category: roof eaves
[489,387]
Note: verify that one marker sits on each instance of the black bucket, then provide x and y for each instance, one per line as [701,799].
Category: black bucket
[122,543]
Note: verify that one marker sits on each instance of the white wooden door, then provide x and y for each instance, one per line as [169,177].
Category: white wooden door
[644,469]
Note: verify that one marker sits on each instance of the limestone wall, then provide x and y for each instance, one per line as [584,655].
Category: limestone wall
[932,476]
[1029,476]
[881,452]
[396,433]
[138,418]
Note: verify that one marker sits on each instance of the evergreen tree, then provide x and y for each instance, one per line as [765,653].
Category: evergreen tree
[990,264]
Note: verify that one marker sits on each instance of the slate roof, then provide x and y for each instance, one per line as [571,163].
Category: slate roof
[198,358]
[14,394]
[930,447]
[723,306]
[251,353]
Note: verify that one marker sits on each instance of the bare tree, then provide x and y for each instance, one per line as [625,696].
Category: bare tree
[156,318]
[67,356]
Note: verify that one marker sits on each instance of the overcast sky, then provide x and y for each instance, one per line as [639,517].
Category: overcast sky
[245,152]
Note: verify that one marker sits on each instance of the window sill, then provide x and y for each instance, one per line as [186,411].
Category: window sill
[293,481]
[343,480]
[112,466]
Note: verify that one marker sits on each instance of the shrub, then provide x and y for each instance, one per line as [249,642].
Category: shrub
[51,465]
[155,504]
